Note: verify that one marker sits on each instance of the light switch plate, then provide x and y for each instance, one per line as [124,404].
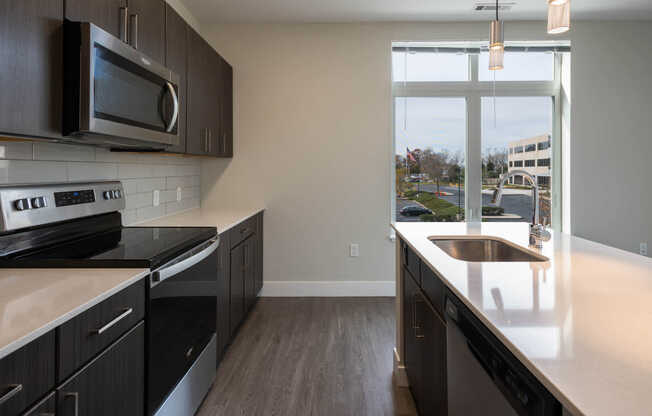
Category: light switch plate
[157,198]
[178,193]
[643,249]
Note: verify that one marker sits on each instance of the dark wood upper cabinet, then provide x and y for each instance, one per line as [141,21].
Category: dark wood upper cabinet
[112,384]
[176,56]
[226,109]
[146,27]
[103,13]
[200,87]
[31,51]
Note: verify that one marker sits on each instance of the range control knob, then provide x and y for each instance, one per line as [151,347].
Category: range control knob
[39,202]
[21,204]
[117,193]
[107,194]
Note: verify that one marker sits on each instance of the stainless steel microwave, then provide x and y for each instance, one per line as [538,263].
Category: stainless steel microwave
[115,96]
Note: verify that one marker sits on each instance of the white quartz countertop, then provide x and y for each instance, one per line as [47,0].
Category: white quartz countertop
[35,301]
[581,322]
[200,217]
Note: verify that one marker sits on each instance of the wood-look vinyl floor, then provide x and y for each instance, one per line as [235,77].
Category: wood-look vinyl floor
[311,356]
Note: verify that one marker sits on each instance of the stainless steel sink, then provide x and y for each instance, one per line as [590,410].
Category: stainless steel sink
[484,249]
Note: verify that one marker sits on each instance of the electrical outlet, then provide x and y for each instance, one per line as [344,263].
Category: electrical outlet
[157,198]
[643,249]
[178,193]
[354,250]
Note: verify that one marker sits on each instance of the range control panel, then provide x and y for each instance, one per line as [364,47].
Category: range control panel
[23,206]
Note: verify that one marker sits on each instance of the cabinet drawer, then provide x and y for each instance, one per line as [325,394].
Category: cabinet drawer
[46,407]
[411,262]
[241,231]
[26,375]
[82,337]
[433,287]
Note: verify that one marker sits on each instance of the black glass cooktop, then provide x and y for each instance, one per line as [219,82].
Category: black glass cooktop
[124,247]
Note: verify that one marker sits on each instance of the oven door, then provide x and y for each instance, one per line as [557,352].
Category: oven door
[122,94]
[182,319]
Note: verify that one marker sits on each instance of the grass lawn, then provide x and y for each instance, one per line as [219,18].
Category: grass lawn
[442,210]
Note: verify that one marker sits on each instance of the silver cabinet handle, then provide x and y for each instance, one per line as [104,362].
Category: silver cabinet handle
[76,397]
[205,140]
[114,321]
[210,139]
[123,24]
[133,30]
[15,389]
[175,108]
[224,143]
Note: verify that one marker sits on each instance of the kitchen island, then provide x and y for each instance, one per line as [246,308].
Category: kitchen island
[580,322]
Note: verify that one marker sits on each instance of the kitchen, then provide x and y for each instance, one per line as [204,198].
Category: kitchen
[232,188]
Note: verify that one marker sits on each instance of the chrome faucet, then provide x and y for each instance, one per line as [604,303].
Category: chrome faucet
[538,233]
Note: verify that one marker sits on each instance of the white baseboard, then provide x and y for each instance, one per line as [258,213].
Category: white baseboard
[328,288]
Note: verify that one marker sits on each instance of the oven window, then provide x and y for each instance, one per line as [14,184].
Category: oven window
[126,93]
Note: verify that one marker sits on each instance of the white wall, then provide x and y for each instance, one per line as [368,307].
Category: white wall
[313,135]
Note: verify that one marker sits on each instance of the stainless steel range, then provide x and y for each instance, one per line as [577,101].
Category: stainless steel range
[79,225]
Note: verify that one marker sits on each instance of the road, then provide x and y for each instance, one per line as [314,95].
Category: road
[518,204]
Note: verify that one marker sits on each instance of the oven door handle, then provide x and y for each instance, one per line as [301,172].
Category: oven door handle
[175,108]
[179,266]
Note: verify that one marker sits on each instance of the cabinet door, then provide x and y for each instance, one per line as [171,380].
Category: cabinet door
[410,333]
[176,54]
[223,306]
[112,384]
[432,397]
[147,27]
[250,255]
[226,109]
[31,67]
[259,253]
[103,13]
[199,93]
[237,287]
[214,99]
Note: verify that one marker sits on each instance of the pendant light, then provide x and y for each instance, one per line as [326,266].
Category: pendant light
[496,44]
[558,16]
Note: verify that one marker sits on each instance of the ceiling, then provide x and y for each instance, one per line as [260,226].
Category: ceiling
[243,11]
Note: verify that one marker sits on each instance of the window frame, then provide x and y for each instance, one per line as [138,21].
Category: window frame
[473,90]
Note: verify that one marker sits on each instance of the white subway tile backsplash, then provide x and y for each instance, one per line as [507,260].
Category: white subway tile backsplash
[140,173]
[138,200]
[16,150]
[63,152]
[180,182]
[29,171]
[86,171]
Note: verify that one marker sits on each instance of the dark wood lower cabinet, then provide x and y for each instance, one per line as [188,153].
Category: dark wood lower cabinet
[237,287]
[112,384]
[46,407]
[424,352]
[223,299]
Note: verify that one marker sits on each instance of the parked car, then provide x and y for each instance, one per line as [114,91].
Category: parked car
[414,211]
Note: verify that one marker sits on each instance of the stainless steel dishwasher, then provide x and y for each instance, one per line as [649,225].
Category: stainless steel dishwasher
[484,378]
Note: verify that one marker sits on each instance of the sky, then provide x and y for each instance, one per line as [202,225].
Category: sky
[440,123]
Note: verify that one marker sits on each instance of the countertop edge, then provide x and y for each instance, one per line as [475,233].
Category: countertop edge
[565,401]
[241,220]
[26,339]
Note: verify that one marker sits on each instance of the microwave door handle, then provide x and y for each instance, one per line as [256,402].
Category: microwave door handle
[175,108]
[176,268]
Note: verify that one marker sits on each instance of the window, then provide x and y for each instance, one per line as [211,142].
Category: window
[543,145]
[519,66]
[543,162]
[433,131]
[464,132]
